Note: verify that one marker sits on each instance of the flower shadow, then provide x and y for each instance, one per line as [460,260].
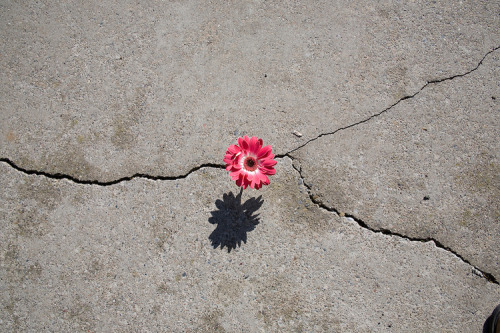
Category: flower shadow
[234,220]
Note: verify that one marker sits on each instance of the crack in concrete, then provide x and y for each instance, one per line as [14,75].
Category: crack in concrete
[362,224]
[109,183]
[489,277]
[220,166]
[436,81]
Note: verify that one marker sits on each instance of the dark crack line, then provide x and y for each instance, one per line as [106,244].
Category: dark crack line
[220,166]
[384,231]
[489,277]
[59,176]
[436,81]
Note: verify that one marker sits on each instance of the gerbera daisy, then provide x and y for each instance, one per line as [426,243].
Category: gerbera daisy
[250,162]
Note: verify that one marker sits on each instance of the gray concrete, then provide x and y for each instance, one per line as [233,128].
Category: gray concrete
[106,90]
[428,168]
[137,256]
[98,92]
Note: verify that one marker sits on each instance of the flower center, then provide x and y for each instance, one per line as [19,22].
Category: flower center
[250,164]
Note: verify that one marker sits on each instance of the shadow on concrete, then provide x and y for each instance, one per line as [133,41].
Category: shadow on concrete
[234,220]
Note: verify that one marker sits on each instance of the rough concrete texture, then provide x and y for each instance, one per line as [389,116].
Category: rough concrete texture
[102,90]
[427,168]
[116,212]
[138,256]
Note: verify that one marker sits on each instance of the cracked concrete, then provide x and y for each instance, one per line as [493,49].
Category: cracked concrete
[137,255]
[107,183]
[396,103]
[138,88]
[427,169]
[317,200]
[383,215]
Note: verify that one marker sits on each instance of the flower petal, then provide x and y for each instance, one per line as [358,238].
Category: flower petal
[244,181]
[233,149]
[268,163]
[269,171]
[237,159]
[243,143]
[254,145]
[264,152]
[264,179]
[250,176]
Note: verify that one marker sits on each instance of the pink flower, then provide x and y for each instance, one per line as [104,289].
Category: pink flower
[250,163]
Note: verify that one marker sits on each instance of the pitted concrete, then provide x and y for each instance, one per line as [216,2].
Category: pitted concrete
[117,214]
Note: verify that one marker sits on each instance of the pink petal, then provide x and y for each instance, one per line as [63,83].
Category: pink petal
[244,181]
[264,179]
[233,149]
[243,142]
[236,167]
[234,175]
[239,181]
[268,163]
[264,152]
[237,159]
[252,184]
[254,145]
[269,172]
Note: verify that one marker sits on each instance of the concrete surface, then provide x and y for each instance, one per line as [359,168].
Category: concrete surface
[137,256]
[428,168]
[104,90]
[117,215]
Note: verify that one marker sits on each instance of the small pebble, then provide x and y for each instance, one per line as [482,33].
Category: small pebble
[297,133]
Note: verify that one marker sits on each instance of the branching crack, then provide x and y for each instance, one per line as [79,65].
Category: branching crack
[384,231]
[436,81]
[220,166]
[109,183]
[313,198]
